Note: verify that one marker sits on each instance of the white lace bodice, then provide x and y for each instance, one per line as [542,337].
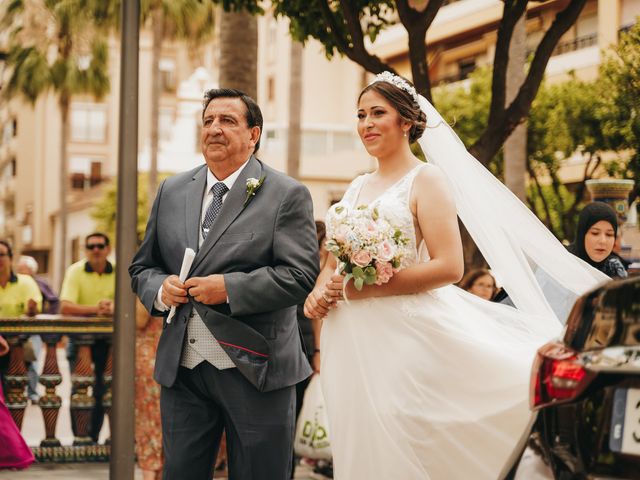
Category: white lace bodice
[393,203]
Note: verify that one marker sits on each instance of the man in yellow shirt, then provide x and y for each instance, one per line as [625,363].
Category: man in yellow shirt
[88,288]
[19,294]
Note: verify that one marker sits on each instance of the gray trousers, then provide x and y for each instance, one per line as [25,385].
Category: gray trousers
[203,402]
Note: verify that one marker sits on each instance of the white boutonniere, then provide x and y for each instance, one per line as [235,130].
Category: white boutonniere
[253,184]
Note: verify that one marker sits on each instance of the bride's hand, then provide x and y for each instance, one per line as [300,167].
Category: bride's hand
[317,304]
[333,288]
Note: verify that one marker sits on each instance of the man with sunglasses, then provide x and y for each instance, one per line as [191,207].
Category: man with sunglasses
[88,288]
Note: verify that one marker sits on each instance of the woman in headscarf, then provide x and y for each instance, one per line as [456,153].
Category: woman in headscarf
[595,236]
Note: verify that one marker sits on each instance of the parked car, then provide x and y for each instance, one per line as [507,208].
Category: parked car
[586,388]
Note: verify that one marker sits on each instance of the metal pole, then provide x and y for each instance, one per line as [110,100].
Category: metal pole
[122,437]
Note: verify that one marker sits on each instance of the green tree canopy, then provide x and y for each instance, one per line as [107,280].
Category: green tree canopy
[620,110]
[565,118]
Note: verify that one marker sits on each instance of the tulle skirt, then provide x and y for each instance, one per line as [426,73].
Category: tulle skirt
[428,386]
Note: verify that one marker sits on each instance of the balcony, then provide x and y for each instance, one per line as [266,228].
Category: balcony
[577,43]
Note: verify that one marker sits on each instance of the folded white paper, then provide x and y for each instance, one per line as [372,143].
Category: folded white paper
[187,260]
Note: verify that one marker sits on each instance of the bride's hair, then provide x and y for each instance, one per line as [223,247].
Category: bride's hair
[405,105]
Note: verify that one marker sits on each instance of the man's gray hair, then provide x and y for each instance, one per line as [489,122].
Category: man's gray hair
[29,262]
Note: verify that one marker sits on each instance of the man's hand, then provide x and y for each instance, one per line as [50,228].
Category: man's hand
[105,307]
[174,291]
[318,304]
[209,290]
[32,307]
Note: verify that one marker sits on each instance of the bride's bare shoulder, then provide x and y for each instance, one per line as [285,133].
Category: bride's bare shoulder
[431,175]
[432,183]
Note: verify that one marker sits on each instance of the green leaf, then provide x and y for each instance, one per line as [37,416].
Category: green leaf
[369,275]
[357,272]
[358,283]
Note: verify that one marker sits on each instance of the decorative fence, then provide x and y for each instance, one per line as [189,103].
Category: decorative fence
[51,328]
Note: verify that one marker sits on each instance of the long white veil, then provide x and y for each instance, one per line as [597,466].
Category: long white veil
[541,277]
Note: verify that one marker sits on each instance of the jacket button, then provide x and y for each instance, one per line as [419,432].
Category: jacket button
[192,340]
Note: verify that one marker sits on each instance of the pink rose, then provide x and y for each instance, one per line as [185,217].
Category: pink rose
[386,251]
[361,258]
[384,271]
[372,227]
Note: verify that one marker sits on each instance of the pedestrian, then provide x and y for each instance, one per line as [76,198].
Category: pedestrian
[88,289]
[480,282]
[50,304]
[595,238]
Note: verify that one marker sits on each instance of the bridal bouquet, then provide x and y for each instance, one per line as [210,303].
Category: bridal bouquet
[368,245]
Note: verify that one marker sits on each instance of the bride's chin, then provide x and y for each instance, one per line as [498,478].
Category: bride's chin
[372,150]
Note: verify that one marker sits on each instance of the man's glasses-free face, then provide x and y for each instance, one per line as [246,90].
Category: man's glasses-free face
[94,246]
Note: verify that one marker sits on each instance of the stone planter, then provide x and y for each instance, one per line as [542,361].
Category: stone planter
[615,192]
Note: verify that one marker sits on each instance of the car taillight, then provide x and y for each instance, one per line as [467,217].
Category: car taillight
[557,376]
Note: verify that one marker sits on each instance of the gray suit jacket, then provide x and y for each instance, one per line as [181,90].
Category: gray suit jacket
[267,250]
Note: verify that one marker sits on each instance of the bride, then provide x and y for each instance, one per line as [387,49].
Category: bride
[421,379]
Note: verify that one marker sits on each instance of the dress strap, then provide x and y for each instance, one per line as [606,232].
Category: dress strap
[405,185]
[353,190]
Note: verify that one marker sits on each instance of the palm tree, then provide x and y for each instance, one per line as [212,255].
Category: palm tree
[53,47]
[189,20]
[239,52]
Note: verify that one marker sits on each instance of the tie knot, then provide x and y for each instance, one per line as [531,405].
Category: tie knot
[219,189]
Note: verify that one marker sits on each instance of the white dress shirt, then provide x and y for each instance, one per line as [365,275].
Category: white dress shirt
[206,200]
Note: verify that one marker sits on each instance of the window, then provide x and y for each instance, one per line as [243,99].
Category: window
[343,141]
[314,142]
[85,172]
[465,67]
[167,75]
[271,89]
[165,124]
[272,40]
[587,25]
[88,122]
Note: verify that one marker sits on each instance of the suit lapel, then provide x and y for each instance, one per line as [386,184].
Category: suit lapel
[195,192]
[233,205]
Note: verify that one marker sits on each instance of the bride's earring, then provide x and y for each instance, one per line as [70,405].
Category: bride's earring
[405,133]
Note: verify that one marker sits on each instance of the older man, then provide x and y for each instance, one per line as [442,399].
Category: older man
[231,356]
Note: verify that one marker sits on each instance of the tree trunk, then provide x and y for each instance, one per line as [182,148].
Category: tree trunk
[515,147]
[157,19]
[64,183]
[295,110]
[239,52]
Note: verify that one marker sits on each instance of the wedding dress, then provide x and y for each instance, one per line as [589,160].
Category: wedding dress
[426,386]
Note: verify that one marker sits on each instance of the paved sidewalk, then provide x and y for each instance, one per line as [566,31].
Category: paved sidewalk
[97,471]
[70,471]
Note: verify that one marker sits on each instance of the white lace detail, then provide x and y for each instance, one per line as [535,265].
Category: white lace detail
[393,204]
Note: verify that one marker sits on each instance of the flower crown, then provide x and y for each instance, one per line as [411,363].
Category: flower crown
[397,81]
